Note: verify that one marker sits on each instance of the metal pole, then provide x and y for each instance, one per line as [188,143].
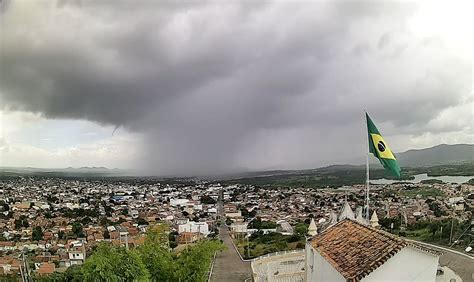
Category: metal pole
[21,271]
[451,235]
[248,247]
[367,210]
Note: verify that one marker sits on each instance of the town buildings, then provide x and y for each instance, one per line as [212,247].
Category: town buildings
[59,221]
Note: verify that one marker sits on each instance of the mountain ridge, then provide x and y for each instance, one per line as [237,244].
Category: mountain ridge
[442,154]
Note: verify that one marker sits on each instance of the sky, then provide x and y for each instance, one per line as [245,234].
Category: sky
[213,87]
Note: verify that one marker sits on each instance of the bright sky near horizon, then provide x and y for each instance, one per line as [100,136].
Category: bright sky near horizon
[200,87]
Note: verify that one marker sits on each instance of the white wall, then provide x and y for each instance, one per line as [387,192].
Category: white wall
[318,269]
[76,255]
[201,227]
[408,264]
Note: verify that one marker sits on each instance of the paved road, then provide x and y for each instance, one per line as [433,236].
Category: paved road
[463,266]
[228,265]
[460,264]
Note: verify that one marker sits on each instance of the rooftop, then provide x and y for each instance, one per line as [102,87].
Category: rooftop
[355,250]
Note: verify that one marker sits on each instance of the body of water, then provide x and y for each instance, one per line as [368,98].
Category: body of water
[424,176]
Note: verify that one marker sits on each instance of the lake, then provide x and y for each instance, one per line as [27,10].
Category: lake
[424,176]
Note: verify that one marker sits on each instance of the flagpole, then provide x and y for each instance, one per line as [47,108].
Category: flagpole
[367,181]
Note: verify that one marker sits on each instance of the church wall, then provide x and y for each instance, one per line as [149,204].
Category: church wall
[318,269]
[408,264]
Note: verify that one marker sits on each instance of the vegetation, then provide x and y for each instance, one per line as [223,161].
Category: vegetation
[207,200]
[152,261]
[114,264]
[424,192]
[22,221]
[37,234]
[431,181]
[77,229]
[437,232]
[259,244]
[466,169]
[301,229]
[336,176]
[257,223]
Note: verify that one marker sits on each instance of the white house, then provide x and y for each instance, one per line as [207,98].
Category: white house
[239,227]
[178,202]
[191,226]
[350,251]
[77,253]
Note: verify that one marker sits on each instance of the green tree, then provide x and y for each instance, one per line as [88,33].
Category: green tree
[5,206]
[193,263]
[73,274]
[61,234]
[156,254]
[114,264]
[103,221]
[301,229]
[208,200]
[434,227]
[77,229]
[37,234]
[142,221]
[22,221]
[387,222]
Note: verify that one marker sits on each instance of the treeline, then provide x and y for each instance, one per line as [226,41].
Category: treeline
[152,261]
[348,175]
[434,231]
[319,179]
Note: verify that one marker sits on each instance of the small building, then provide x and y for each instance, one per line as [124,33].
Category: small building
[350,251]
[284,228]
[238,229]
[46,268]
[191,226]
[187,237]
[76,253]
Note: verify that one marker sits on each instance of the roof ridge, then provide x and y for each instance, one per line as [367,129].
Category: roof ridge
[343,254]
[328,228]
[380,231]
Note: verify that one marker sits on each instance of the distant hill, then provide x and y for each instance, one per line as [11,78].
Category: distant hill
[63,172]
[437,155]
[440,155]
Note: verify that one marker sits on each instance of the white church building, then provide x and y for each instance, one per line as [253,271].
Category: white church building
[351,251]
[350,248]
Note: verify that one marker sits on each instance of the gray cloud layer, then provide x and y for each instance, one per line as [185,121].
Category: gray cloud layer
[218,86]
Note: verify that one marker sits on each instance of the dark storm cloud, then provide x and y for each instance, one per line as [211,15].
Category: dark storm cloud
[218,86]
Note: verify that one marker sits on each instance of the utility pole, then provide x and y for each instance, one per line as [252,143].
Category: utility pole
[27,272]
[248,247]
[22,271]
[451,235]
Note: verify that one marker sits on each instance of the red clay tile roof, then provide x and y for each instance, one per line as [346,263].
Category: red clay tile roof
[355,250]
[46,268]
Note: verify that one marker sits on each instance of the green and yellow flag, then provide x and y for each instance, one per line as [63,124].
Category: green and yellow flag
[380,149]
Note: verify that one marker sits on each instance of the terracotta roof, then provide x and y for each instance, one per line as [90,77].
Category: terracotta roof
[355,250]
[46,268]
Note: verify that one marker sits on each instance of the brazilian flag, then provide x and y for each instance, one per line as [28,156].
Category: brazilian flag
[380,149]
